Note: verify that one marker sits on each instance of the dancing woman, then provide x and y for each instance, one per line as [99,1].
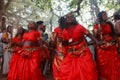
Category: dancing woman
[60,49]
[78,63]
[26,66]
[107,54]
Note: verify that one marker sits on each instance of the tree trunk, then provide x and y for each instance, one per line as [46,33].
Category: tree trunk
[3,8]
[1,13]
[94,8]
[51,22]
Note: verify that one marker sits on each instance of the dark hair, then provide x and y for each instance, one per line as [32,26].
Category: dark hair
[23,31]
[112,27]
[116,16]
[62,22]
[74,22]
[100,16]
[100,20]
[9,26]
[39,23]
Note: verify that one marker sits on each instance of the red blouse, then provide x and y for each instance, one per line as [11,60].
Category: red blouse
[17,40]
[106,31]
[31,36]
[58,31]
[75,32]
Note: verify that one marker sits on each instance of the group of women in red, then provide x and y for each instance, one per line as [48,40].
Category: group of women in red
[73,59]
[77,62]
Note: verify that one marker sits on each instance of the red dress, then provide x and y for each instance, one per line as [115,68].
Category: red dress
[59,55]
[17,40]
[78,63]
[107,55]
[25,64]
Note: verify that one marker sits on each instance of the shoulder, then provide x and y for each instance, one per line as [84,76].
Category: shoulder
[15,38]
[110,23]
[56,29]
[117,23]
[95,26]
[36,33]
[80,27]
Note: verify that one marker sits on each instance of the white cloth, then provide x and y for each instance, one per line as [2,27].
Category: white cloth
[6,57]
[6,60]
[91,47]
[0,36]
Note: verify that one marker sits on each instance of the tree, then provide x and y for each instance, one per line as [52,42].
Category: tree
[19,12]
[3,8]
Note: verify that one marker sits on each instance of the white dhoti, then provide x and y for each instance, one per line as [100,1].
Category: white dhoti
[6,60]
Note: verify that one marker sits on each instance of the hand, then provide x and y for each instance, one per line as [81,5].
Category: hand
[98,43]
[101,42]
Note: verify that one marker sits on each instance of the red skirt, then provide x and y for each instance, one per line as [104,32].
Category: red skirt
[75,67]
[25,65]
[56,66]
[108,63]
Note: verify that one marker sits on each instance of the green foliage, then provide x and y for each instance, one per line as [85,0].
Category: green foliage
[40,9]
[84,4]
[73,3]
[43,4]
[113,5]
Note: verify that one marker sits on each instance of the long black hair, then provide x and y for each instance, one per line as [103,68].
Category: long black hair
[116,16]
[100,20]
[62,22]
[23,31]
[100,16]
[74,22]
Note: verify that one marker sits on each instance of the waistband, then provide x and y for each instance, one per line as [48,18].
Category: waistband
[106,43]
[77,51]
[27,52]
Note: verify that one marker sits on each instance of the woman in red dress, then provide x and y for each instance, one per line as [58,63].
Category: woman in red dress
[78,63]
[16,44]
[107,54]
[26,66]
[17,40]
[60,50]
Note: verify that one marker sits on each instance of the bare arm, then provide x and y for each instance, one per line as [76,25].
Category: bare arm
[117,28]
[92,37]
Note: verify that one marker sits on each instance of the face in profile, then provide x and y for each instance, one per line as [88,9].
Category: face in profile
[42,27]
[104,16]
[10,29]
[20,30]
